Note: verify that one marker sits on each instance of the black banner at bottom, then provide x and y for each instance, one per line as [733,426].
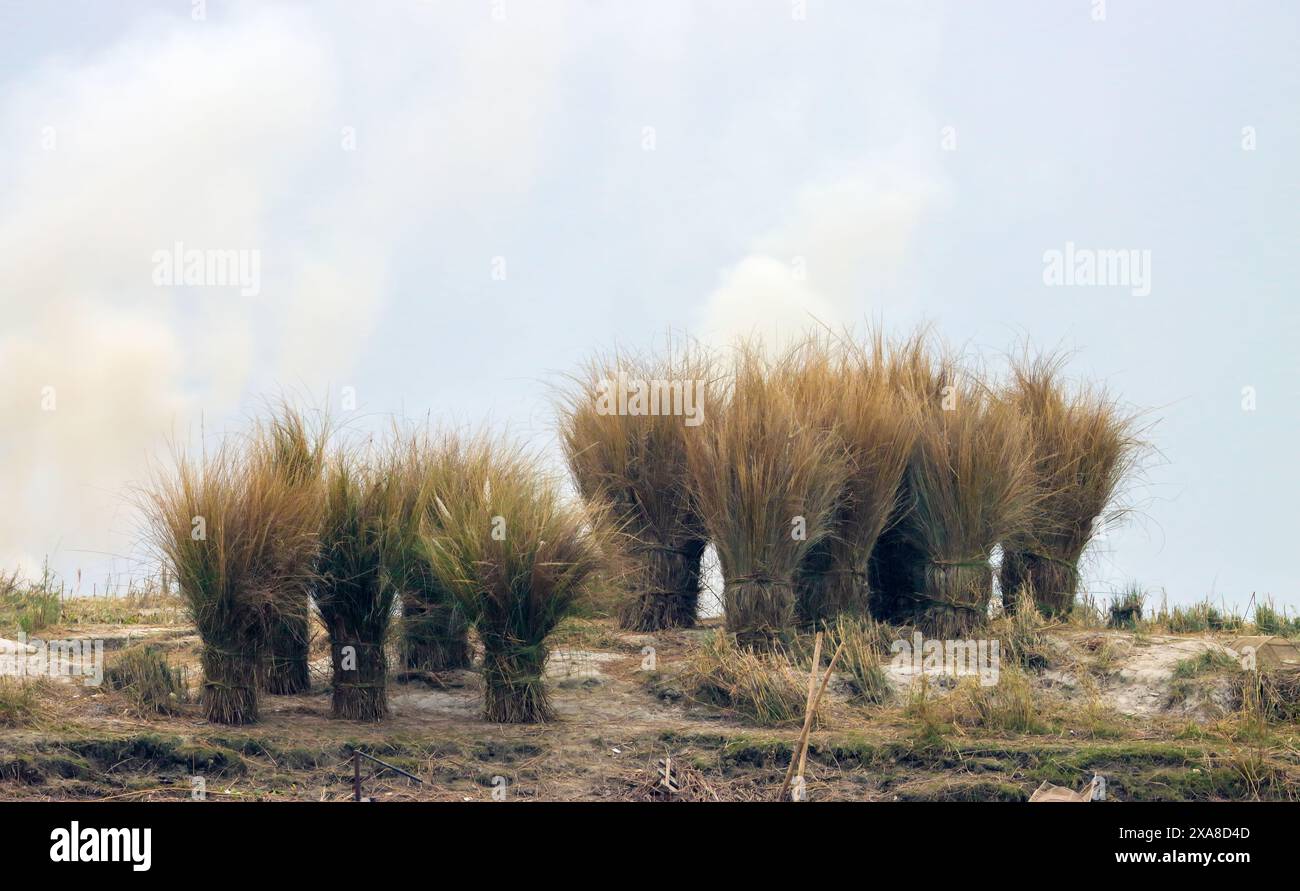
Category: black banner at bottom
[134,841]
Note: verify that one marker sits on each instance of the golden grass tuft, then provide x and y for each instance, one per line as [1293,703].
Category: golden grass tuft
[764,688]
[142,674]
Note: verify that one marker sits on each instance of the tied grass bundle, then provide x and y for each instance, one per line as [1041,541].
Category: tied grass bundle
[875,425]
[517,557]
[971,486]
[635,462]
[235,535]
[288,445]
[1084,448]
[435,631]
[768,481]
[353,593]
[922,375]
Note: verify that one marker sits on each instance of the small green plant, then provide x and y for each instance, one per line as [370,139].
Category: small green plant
[1126,607]
[1207,662]
[30,606]
[1007,705]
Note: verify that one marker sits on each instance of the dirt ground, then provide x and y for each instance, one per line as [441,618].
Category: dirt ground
[1106,702]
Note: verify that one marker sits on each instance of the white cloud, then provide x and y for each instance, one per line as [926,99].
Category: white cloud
[846,238]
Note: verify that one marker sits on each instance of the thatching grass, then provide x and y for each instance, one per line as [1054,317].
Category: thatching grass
[435,630]
[922,373]
[1084,448]
[768,482]
[635,462]
[516,556]
[235,536]
[875,424]
[289,444]
[971,486]
[353,593]
[150,684]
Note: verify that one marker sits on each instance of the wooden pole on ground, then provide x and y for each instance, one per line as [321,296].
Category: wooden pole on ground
[800,755]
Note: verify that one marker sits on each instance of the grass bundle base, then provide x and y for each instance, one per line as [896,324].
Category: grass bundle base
[513,691]
[669,591]
[1053,582]
[759,611]
[229,686]
[954,598]
[435,636]
[360,691]
[896,573]
[287,671]
[829,583]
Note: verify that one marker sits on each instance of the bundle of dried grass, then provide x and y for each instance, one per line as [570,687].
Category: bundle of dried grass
[354,594]
[971,486]
[633,458]
[290,445]
[768,482]
[1084,447]
[236,536]
[517,556]
[435,630]
[875,424]
[923,374]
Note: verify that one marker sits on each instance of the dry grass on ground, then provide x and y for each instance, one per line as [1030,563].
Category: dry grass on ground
[1151,711]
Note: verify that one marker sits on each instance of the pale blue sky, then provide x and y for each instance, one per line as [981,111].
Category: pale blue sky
[519,130]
